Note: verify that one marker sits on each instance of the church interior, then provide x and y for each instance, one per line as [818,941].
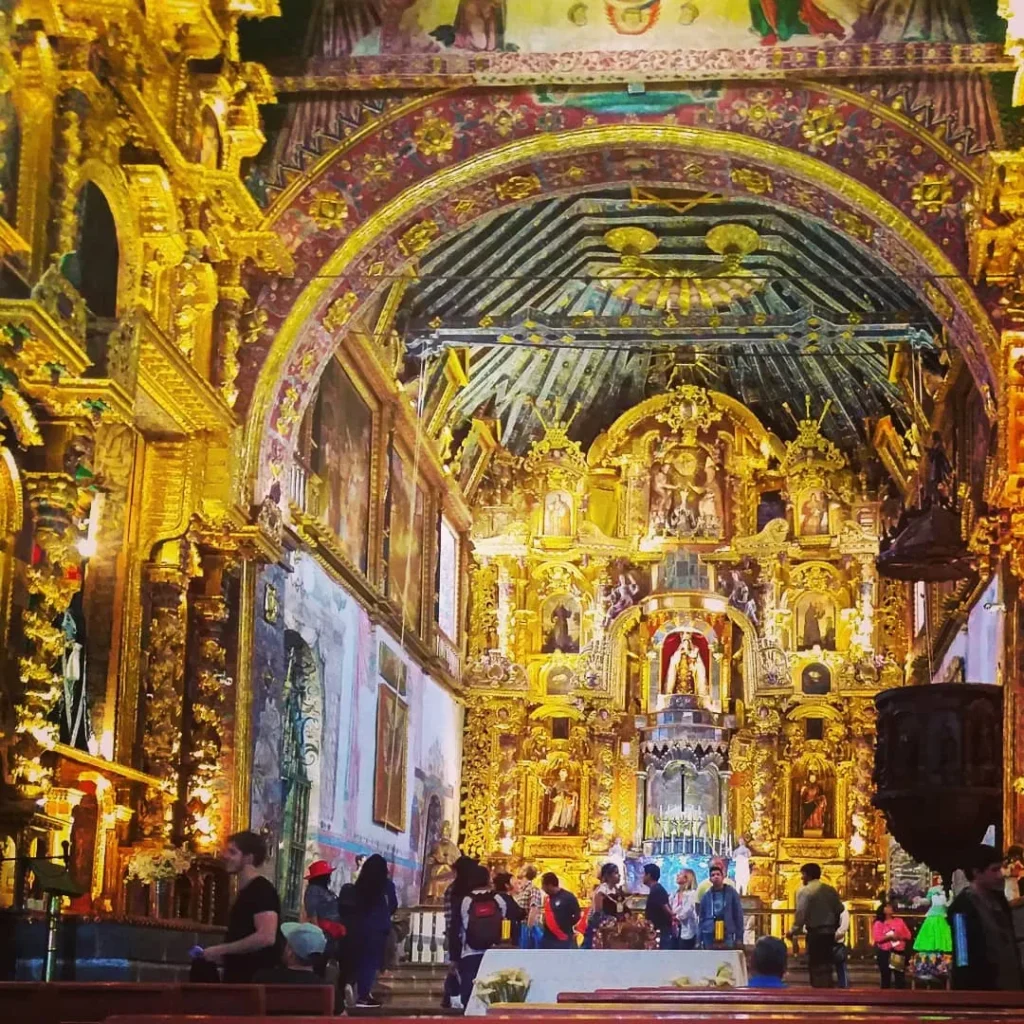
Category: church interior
[557,433]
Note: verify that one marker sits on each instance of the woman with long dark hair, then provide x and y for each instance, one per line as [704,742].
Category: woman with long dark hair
[456,892]
[375,902]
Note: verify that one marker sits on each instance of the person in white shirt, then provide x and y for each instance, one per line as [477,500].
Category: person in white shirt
[683,904]
[842,972]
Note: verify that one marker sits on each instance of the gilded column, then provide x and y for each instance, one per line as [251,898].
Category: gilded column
[52,578]
[232,297]
[207,780]
[164,690]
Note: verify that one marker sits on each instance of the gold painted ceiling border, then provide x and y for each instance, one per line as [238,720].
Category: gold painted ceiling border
[426,192]
[388,71]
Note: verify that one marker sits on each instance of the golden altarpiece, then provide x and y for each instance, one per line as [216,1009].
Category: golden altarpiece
[675,639]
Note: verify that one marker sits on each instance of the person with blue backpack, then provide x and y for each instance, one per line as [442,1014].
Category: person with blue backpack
[482,917]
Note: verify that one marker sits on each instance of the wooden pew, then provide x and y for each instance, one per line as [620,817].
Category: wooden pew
[542,1015]
[940,999]
[299,1000]
[62,1002]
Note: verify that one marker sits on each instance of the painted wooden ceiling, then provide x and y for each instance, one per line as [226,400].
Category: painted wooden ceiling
[601,300]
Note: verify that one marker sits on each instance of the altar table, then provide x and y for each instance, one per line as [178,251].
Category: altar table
[580,970]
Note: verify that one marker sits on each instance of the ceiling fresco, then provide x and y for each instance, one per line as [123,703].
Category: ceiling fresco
[604,299]
[495,42]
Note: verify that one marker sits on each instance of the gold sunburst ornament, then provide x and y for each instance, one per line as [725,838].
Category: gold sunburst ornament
[681,285]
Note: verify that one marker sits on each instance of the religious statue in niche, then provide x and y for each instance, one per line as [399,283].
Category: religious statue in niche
[74,726]
[816,679]
[560,618]
[813,513]
[686,497]
[564,803]
[630,586]
[558,514]
[686,671]
[816,622]
[812,807]
[439,868]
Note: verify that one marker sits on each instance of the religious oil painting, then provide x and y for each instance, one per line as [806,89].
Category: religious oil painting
[814,617]
[811,512]
[558,514]
[392,669]
[389,777]
[685,496]
[405,541]
[343,436]
[448,580]
[560,622]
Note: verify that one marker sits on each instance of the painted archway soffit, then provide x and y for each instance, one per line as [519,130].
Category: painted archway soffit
[352,264]
[835,123]
[888,152]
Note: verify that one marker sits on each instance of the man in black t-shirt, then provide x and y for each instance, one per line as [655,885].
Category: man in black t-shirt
[253,940]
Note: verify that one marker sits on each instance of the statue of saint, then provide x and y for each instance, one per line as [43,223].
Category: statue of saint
[557,515]
[439,871]
[74,722]
[686,670]
[622,596]
[813,804]
[565,804]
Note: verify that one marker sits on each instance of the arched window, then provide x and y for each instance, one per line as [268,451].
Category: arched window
[97,252]
[298,755]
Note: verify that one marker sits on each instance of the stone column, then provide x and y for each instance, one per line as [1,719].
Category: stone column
[163,695]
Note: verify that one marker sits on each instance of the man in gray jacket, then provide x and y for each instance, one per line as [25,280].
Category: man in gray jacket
[818,911]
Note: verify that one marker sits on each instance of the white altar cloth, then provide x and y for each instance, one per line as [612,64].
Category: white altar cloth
[585,970]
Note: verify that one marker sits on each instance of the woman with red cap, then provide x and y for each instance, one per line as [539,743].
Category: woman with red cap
[320,907]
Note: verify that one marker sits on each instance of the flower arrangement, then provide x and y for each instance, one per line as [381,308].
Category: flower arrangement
[627,932]
[724,978]
[508,986]
[149,865]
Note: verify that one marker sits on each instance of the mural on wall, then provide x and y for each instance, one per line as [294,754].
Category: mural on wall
[405,541]
[418,760]
[392,749]
[488,26]
[343,434]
